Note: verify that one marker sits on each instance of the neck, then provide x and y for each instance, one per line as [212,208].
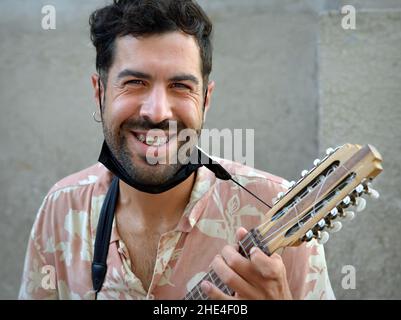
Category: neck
[164,209]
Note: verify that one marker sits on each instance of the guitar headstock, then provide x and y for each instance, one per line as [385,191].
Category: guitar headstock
[321,197]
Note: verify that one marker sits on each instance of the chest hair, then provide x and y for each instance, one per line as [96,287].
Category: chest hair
[142,249]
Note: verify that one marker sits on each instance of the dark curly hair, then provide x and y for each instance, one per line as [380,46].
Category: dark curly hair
[148,17]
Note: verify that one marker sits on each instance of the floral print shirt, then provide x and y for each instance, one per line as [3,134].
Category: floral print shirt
[61,243]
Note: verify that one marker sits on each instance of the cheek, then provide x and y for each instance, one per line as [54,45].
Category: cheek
[119,110]
[190,115]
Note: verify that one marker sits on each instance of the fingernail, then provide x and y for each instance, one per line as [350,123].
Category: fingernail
[205,287]
[252,250]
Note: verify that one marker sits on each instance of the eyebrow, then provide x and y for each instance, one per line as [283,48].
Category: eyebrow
[185,77]
[138,74]
[133,73]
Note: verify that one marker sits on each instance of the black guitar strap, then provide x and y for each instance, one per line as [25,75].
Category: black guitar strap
[103,234]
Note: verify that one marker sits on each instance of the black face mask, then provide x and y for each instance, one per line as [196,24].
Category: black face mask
[110,162]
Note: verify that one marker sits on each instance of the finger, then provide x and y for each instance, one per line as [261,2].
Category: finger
[273,272]
[213,292]
[241,233]
[268,267]
[231,278]
[239,264]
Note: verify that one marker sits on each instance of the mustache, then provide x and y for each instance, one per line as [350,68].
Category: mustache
[146,124]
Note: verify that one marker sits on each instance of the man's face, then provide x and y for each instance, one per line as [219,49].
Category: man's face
[154,81]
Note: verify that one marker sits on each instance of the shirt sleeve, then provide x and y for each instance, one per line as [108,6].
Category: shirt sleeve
[307,272]
[39,273]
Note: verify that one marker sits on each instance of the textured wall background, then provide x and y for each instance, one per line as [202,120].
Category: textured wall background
[283,67]
[360,101]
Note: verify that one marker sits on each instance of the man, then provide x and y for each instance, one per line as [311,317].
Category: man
[172,222]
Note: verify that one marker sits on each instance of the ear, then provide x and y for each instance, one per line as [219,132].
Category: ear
[95,85]
[210,89]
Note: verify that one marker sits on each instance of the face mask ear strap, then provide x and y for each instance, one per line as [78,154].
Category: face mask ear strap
[222,173]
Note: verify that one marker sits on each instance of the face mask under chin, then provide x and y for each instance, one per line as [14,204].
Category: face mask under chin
[110,162]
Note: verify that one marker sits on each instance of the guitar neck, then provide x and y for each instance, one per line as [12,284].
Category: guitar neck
[252,239]
[310,205]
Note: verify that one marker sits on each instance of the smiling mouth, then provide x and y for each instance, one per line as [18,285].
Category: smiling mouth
[152,141]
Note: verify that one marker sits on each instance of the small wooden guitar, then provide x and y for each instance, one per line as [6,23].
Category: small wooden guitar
[312,205]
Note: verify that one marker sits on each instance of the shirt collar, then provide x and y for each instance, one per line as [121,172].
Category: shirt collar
[204,181]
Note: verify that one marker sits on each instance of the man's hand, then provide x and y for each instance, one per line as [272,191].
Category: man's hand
[260,278]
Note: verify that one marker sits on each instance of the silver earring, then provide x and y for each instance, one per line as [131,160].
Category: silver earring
[94,117]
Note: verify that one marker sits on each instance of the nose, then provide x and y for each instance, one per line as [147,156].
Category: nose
[156,106]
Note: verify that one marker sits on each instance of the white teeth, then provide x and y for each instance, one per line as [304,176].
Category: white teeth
[162,140]
[152,140]
[158,141]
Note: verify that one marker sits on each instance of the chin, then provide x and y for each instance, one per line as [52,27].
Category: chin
[153,174]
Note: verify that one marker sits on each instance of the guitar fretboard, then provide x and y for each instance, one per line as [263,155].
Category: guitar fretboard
[252,239]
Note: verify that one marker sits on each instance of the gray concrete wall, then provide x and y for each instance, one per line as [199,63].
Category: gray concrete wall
[360,101]
[276,65]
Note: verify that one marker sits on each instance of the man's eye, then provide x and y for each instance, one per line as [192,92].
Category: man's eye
[179,85]
[135,82]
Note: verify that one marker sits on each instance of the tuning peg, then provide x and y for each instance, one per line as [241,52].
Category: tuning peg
[360,204]
[335,226]
[308,236]
[333,213]
[321,224]
[373,193]
[346,202]
[349,215]
[291,184]
[329,151]
[359,189]
[278,197]
[316,162]
[323,237]
[304,173]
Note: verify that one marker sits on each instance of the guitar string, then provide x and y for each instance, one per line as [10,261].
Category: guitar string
[250,239]
[264,239]
[199,294]
[347,172]
[196,292]
[240,185]
[296,218]
[195,289]
[291,220]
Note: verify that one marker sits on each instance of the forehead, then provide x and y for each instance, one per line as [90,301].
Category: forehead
[173,51]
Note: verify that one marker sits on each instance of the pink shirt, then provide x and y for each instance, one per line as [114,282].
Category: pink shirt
[60,248]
